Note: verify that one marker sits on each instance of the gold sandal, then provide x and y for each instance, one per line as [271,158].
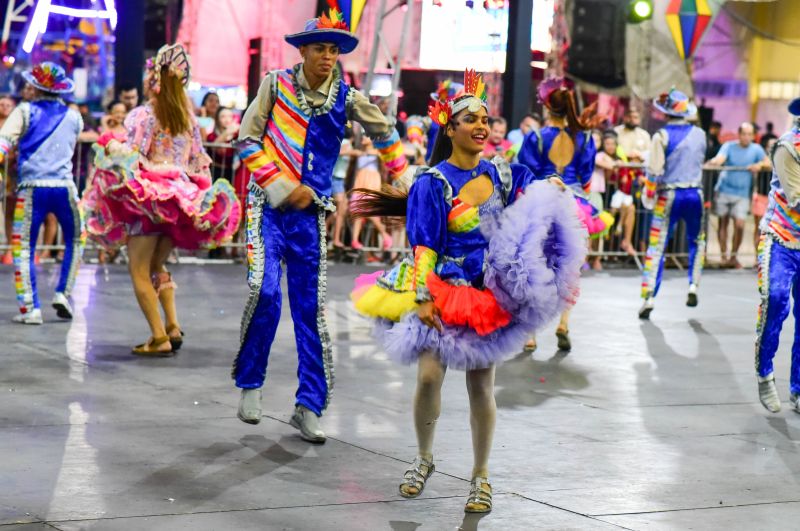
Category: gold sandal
[563,339]
[415,478]
[175,341]
[480,496]
[150,348]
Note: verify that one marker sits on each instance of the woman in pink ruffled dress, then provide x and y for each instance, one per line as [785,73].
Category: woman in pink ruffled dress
[152,191]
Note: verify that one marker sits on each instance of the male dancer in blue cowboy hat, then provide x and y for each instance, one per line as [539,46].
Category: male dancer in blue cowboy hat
[779,266]
[46,132]
[673,190]
[290,140]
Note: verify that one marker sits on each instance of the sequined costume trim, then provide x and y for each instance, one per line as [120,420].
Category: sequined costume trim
[700,256]
[255,258]
[332,95]
[506,177]
[21,249]
[50,183]
[659,232]
[764,252]
[78,243]
[322,294]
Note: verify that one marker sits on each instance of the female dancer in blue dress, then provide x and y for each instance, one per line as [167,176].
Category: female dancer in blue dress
[564,148]
[490,265]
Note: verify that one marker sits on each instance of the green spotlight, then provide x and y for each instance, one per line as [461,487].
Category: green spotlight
[640,10]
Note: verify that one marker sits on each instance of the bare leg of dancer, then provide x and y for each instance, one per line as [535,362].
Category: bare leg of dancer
[141,250]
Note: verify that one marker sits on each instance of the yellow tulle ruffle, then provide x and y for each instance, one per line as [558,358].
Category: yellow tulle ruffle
[380,302]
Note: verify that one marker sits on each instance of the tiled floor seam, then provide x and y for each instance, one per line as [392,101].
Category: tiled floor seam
[576,513]
[250,509]
[684,509]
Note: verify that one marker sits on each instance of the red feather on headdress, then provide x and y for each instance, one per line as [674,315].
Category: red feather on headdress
[474,85]
[335,21]
[440,112]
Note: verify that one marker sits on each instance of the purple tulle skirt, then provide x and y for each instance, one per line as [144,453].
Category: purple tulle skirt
[536,249]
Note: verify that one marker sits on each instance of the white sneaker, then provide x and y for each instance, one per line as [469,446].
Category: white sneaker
[250,406]
[31,318]
[768,394]
[307,422]
[794,399]
[691,299]
[62,306]
[647,307]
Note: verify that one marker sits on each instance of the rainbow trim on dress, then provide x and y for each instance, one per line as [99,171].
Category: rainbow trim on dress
[463,217]
[424,263]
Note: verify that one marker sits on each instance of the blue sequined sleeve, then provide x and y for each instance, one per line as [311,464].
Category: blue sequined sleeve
[521,177]
[426,224]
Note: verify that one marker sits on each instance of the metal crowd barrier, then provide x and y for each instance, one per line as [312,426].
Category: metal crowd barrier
[225,166]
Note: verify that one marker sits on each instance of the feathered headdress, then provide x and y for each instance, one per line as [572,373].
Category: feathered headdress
[332,27]
[175,58]
[447,89]
[473,97]
[49,77]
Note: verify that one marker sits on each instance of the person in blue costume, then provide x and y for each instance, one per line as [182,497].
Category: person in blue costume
[45,131]
[564,148]
[490,265]
[290,139]
[673,191]
[779,267]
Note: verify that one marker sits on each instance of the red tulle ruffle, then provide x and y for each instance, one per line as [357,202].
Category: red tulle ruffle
[467,306]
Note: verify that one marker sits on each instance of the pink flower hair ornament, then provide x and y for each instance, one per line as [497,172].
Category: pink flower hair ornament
[175,58]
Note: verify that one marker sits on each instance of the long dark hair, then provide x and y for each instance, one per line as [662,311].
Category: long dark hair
[390,201]
[561,103]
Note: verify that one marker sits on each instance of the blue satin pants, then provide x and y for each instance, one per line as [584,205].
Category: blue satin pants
[672,206]
[778,280]
[32,206]
[296,238]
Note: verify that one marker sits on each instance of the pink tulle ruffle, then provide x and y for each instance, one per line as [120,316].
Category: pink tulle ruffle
[125,196]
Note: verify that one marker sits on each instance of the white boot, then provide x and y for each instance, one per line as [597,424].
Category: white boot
[691,299]
[250,406]
[647,307]
[768,393]
[33,317]
[307,422]
[62,306]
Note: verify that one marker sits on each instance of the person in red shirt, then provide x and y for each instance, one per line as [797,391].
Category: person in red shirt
[497,143]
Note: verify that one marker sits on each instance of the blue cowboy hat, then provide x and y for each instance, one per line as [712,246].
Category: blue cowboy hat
[49,77]
[324,29]
[794,107]
[675,103]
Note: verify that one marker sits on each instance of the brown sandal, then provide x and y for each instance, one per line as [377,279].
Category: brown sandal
[175,340]
[150,348]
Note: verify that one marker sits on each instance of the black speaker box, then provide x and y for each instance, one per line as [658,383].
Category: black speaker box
[597,49]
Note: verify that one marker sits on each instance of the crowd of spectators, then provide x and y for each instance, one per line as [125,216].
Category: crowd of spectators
[615,185]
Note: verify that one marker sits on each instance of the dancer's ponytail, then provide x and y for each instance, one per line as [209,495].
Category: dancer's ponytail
[562,103]
[386,202]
